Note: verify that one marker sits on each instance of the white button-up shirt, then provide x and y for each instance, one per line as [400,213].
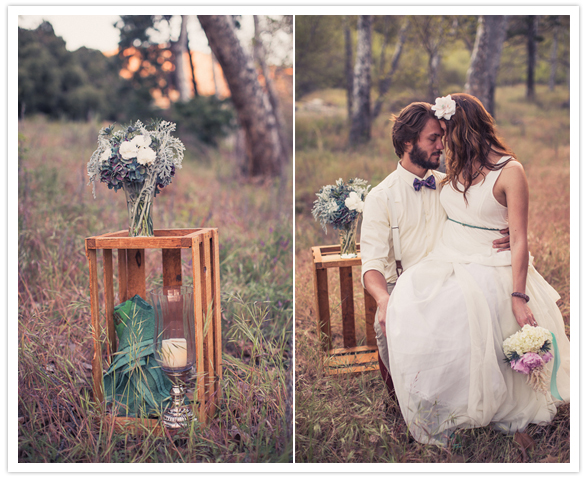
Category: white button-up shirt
[420,219]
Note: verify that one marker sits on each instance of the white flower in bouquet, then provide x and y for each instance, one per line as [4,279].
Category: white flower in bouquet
[530,339]
[128,150]
[146,156]
[354,202]
[141,141]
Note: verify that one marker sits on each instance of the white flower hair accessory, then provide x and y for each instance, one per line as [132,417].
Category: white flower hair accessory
[445,107]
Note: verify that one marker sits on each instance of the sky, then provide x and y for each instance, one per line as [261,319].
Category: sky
[98,31]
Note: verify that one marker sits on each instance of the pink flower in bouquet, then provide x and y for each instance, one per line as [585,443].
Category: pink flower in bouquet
[546,357]
[520,366]
[532,360]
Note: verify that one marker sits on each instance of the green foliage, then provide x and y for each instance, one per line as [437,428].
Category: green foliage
[513,66]
[319,53]
[205,117]
[60,83]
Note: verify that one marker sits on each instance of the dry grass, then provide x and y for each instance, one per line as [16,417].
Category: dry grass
[58,421]
[351,418]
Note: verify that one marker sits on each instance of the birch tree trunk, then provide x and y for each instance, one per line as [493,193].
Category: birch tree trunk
[193,68]
[482,72]
[361,118]
[264,154]
[348,67]
[386,82]
[179,49]
[553,58]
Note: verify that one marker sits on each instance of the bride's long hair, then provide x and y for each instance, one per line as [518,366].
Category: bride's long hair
[470,137]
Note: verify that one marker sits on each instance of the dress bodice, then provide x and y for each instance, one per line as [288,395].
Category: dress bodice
[473,225]
[481,208]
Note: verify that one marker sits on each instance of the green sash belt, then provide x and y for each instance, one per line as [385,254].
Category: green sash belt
[468,225]
[557,362]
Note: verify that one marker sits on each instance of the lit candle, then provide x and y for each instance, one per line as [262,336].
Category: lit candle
[174,353]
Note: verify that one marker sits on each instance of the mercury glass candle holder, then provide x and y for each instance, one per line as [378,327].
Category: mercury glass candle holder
[175,347]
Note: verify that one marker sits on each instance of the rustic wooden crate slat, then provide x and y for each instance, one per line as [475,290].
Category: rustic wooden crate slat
[122,291]
[109,302]
[197,275]
[164,238]
[322,307]
[353,359]
[171,267]
[348,306]
[203,243]
[216,319]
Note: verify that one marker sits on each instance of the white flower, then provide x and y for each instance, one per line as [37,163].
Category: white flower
[146,156]
[128,150]
[354,202]
[141,141]
[105,155]
[528,340]
[444,107]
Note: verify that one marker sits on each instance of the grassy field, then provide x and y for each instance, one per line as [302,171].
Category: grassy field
[58,421]
[351,418]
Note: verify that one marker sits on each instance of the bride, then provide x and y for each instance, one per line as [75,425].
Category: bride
[449,315]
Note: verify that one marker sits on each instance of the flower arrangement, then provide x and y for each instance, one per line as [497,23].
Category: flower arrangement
[340,206]
[527,351]
[141,160]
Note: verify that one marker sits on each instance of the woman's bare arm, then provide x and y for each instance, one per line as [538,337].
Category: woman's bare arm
[512,186]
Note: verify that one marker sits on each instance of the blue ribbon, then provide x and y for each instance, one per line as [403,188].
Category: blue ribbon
[557,362]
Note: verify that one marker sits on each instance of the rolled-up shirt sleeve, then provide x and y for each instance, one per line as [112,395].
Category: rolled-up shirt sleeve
[376,240]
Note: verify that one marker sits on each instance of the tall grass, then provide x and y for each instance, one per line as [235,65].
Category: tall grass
[58,419]
[352,418]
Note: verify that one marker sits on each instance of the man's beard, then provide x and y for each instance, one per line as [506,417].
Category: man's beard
[419,158]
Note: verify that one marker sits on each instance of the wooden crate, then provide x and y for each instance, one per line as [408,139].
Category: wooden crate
[131,281]
[351,358]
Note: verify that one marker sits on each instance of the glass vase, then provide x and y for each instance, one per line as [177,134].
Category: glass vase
[348,240]
[174,341]
[139,201]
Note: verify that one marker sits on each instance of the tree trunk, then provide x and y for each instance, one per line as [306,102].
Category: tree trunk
[348,67]
[482,72]
[260,53]
[531,48]
[256,116]
[433,67]
[179,48]
[193,68]
[385,83]
[214,79]
[361,118]
[553,58]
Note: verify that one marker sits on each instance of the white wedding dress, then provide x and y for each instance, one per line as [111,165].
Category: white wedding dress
[446,321]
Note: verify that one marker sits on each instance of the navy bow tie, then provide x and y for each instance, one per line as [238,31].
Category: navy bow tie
[430,183]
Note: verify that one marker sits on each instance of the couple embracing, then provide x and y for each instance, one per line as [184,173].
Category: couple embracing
[450,283]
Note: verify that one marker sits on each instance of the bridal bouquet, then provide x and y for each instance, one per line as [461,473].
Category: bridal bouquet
[340,206]
[527,351]
[141,160]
